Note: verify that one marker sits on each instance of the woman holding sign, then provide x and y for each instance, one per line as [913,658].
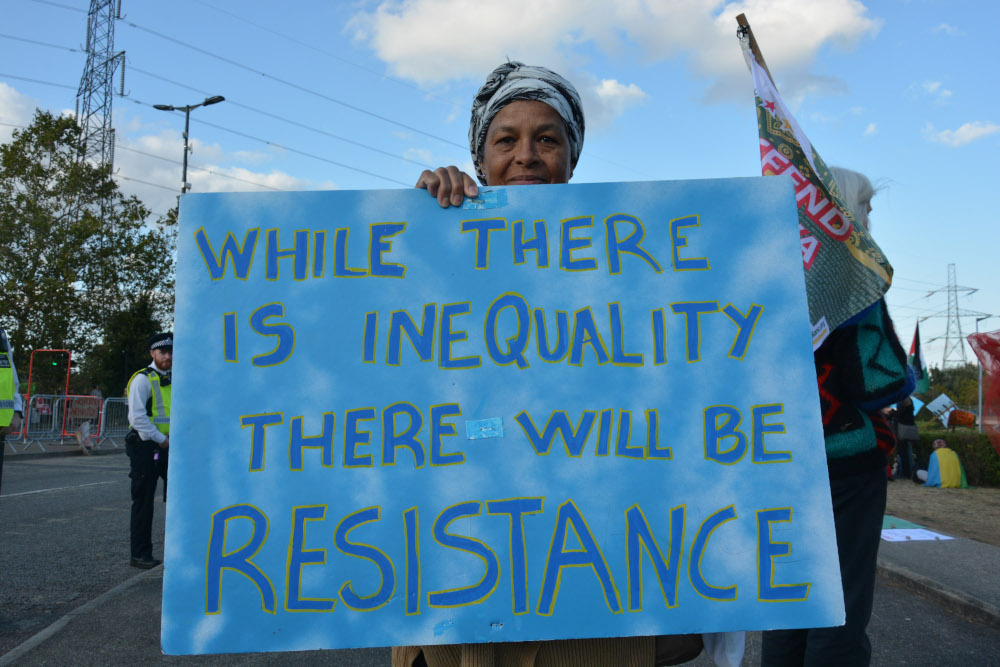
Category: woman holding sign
[527,129]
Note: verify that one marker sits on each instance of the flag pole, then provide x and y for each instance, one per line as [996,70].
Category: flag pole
[744,31]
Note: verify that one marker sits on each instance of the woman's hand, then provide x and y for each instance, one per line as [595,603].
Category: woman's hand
[448,184]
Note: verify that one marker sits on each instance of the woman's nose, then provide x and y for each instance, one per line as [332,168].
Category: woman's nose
[526,153]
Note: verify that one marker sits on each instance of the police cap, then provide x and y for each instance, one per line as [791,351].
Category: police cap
[161,341]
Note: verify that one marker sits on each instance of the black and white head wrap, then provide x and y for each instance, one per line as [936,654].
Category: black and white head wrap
[516,81]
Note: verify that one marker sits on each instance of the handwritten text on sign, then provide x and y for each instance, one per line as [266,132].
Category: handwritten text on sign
[395,424]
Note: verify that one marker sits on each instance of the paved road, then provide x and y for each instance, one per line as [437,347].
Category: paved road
[63,542]
[63,538]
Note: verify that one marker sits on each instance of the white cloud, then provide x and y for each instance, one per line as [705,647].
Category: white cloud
[251,157]
[932,89]
[151,170]
[214,178]
[15,109]
[871,129]
[966,134]
[949,30]
[608,100]
[433,41]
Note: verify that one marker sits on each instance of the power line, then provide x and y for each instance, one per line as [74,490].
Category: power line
[229,130]
[165,159]
[909,289]
[590,155]
[381,75]
[330,54]
[137,180]
[44,83]
[290,84]
[333,99]
[216,173]
[38,43]
[61,6]
[229,100]
[296,123]
[283,147]
[919,282]
[268,76]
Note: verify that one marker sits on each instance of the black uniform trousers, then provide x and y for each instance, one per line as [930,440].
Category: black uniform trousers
[858,487]
[148,463]
[3,446]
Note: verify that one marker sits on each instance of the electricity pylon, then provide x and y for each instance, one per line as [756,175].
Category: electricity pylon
[96,91]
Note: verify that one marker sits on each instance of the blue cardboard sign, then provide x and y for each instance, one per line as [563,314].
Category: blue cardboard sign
[557,412]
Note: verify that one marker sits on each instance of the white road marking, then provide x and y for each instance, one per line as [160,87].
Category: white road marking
[58,488]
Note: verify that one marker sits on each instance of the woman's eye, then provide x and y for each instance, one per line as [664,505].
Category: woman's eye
[548,140]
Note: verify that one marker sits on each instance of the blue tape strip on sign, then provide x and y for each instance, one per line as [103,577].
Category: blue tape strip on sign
[484,428]
[486,199]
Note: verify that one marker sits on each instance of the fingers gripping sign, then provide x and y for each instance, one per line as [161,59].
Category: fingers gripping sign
[449,185]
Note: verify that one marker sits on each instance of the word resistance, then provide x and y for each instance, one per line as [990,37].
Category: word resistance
[572,546]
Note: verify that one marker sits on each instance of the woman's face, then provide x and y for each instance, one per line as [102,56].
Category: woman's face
[525,145]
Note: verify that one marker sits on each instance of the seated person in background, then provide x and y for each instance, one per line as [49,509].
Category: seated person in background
[945,470]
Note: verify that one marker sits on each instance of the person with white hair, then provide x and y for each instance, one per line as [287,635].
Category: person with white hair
[860,368]
[857,191]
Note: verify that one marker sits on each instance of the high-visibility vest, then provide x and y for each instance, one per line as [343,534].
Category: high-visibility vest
[158,403]
[7,388]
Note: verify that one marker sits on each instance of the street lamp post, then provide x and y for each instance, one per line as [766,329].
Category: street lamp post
[215,99]
[980,364]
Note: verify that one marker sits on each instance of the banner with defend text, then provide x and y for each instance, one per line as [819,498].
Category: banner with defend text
[846,271]
[556,412]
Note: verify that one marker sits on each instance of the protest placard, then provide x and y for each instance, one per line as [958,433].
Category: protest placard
[555,412]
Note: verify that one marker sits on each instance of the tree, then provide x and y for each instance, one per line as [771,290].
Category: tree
[960,383]
[123,349]
[74,250]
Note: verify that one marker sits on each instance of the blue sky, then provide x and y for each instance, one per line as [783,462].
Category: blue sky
[362,95]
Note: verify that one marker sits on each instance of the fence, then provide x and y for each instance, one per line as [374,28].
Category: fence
[51,419]
[114,422]
[82,418]
[42,419]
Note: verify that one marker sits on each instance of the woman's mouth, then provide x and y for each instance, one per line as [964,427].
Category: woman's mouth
[526,179]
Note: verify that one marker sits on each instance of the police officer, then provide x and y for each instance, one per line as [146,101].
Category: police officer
[147,443]
[11,409]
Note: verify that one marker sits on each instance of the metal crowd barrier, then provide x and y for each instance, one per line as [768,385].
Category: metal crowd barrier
[42,420]
[114,422]
[82,419]
[50,419]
